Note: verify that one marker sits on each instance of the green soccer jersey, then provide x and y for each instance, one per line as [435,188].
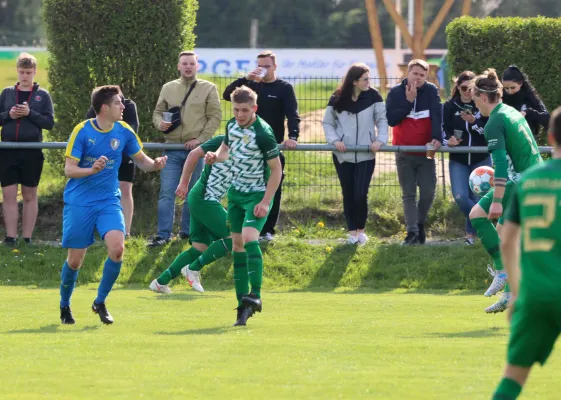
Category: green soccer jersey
[250,149]
[510,142]
[215,179]
[536,207]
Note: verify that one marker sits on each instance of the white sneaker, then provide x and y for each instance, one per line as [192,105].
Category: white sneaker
[499,281]
[156,287]
[352,239]
[193,277]
[500,305]
[268,236]
[362,238]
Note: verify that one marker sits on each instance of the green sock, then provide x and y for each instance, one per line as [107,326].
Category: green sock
[254,267]
[490,239]
[241,278]
[215,251]
[173,271]
[508,389]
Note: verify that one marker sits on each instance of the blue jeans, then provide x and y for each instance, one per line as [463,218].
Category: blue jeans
[169,179]
[459,179]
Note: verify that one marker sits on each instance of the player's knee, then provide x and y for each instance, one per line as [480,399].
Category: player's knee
[476,212]
[29,197]
[74,262]
[116,251]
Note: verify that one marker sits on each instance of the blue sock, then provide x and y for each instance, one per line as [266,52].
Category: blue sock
[111,271]
[68,278]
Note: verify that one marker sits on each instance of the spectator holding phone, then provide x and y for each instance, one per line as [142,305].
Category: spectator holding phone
[25,110]
[463,126]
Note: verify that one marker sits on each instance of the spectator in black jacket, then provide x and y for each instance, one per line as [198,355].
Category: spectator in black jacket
[276,101]
[521,94]
[127,170]
[25,110]
[463,126]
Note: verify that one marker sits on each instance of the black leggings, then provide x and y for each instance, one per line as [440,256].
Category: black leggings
[355,181]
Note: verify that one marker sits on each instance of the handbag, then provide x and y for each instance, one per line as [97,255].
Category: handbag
[176,111]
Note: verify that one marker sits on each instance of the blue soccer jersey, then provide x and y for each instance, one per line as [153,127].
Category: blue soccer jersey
[86,144]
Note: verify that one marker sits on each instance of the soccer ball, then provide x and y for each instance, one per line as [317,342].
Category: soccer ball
[481,180]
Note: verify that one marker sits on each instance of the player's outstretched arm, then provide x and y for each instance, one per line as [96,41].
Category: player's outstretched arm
[190,165]
[147,164]
[72,170]
[510,252]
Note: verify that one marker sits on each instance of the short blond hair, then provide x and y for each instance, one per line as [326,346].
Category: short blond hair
[268,53]
[418,63]
[26,60]
[188,53]
[243,94]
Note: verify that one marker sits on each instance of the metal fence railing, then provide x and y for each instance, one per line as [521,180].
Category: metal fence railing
[309,174]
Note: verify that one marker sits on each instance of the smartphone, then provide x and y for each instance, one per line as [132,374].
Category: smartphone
[458,134]
[468,109]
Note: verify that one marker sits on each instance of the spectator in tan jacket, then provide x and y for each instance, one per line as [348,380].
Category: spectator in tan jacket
[188,112]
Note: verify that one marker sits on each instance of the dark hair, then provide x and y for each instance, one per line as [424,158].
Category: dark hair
[103,95]
[515,74]
[555,125]
[243,94]
[268,53]
[489,84]
[344,93]
[464,76]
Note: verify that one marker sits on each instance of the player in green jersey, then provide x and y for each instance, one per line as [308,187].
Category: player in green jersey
[513,150]
[531,247]
[210,236]
[256,175]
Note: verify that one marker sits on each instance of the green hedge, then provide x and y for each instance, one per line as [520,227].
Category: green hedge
[131,43]
[533,44]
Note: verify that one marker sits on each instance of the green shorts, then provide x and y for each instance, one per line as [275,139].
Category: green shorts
[240,210]
[535,327]
[487,200]
[209,220]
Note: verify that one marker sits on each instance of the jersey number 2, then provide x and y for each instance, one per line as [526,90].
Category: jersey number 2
[544,221]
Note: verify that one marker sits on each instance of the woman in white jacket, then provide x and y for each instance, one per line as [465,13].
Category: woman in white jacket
[355,115]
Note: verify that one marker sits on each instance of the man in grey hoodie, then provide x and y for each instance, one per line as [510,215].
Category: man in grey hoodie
[25,110]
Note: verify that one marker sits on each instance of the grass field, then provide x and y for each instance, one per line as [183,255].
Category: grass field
[304,345]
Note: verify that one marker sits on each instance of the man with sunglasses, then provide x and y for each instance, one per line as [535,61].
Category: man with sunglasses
[276,101]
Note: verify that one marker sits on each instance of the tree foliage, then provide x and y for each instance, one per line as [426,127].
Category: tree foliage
[130,43]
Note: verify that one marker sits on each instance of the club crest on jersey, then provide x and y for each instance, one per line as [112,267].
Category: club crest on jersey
[246,139]
[115,144]
[38,98]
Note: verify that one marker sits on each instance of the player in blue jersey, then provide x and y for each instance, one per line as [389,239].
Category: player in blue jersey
[92,197]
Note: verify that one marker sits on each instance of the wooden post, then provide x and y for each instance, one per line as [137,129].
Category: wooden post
[437,22]
[418,50]
[466,8]
[399,21]
[376,37]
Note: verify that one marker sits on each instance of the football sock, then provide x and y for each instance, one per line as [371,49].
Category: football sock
[508,389]
[490,239]
[254,267]
[173,271]
[215,251]
[68,277]
[111,271]
[241,279]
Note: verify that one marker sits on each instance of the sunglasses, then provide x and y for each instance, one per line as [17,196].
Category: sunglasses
[465,88]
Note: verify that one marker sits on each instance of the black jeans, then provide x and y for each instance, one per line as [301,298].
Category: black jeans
[273,217]
[355,181]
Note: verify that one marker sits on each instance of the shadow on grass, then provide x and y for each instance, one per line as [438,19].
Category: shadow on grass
[54,328]
[217,330]
[480,333]
[177,297]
